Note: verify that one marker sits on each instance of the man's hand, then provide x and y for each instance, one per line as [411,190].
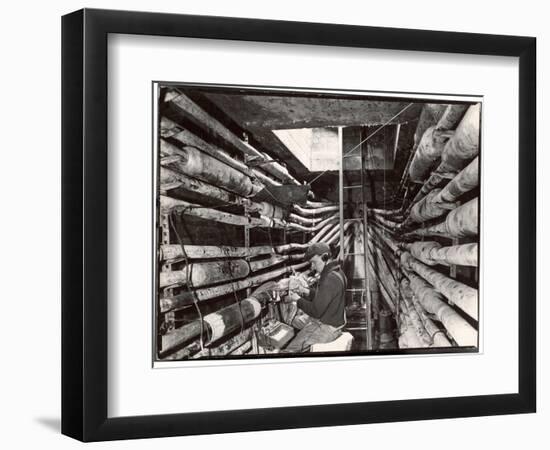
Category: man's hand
[283,284]
[298,284]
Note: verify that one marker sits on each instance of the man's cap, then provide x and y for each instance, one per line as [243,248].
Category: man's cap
[317,248]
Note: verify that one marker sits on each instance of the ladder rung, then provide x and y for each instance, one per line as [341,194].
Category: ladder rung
[351,155]
[355,186]
[355,290]
[356,328]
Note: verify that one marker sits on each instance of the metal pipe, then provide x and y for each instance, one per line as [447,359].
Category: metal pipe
[312,204]
[428,153]
[168,128]
[168,203]
[381,247]
[414,322]
[190,108]
[273,261]
[201,274]
[421,250]
[432,301]
[214,325]
[273,222]
[451,117]
[275,168]
[389,262]
[335,231]
[429,116]
[320,225]
[385,222]
[290,247]
[427,208]
[186,138]
[321,236]
[336,234]
[383,241]
[388,240]
[314,211]
[188,298]
[385,212]
[410,311]
[375,276]
[437,338]
[459,150]
[465,181]
[432,253]
[327,228]
[337,242]
[266,180]
[170,179]
[463,296]
[438,201]
[206,168]
[187,106]
[408,337]
[171,252]
[433,142]
[382,228]
[224,347]
[304,220]
[389,267]
[333,236]
[460,222]
[464,145]
[230,319]
[383,273]
[335,228]
[267,210]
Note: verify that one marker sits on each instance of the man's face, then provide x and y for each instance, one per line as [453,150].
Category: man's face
[317,263]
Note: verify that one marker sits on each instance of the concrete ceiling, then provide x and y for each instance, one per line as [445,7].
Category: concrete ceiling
[260,114]
[286,112]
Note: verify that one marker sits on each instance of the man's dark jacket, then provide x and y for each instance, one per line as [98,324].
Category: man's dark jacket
[327,301]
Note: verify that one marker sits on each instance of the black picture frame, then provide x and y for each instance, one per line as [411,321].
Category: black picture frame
[84,224]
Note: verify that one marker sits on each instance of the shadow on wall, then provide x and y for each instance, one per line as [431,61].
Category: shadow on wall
[53,423]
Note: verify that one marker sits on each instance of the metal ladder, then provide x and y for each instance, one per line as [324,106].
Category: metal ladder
[366,295]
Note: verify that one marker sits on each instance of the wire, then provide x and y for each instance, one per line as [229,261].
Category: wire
[188,283]
[237,300]
[366,139]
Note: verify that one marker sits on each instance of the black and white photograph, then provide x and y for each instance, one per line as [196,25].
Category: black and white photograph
[273,225]
[302,222]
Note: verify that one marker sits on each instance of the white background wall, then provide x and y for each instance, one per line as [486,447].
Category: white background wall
[30,223]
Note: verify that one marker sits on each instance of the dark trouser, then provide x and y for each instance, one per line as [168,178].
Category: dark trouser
[314,332]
